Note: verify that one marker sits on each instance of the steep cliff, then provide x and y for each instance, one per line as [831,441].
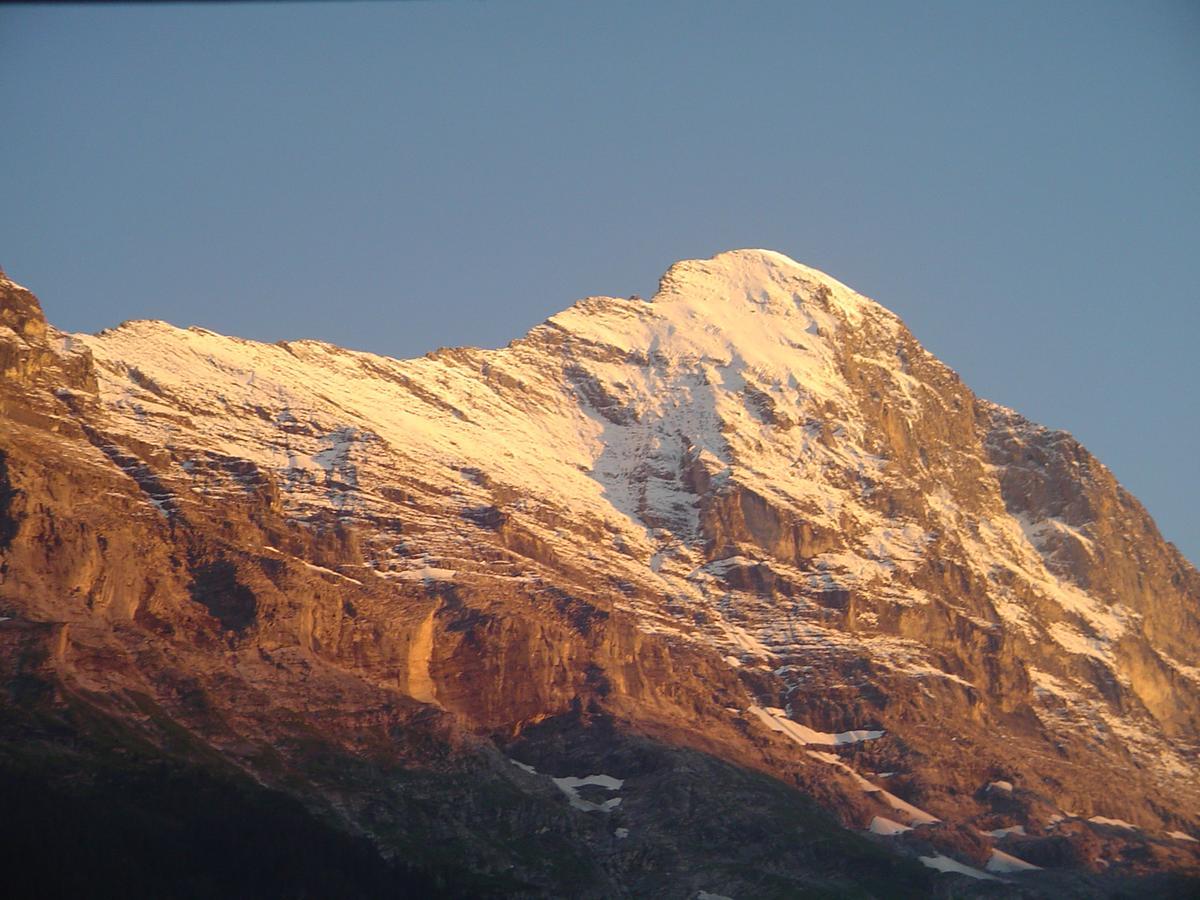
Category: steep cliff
[815,612]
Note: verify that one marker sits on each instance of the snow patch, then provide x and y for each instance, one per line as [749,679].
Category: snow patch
[1001,833]
[570,787]
[312,566]
[524,767]
[953,866]
[1114,823]
[325,571]
[426,573]
[777,720]
[1004,863]
[880,825]
[915,815]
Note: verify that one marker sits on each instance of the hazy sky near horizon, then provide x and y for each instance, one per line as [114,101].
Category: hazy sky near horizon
[1019,181]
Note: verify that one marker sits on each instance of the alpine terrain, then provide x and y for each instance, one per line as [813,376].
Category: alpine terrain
[735,592]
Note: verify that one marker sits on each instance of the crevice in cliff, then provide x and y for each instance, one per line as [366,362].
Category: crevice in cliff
[8,522]
[215,586]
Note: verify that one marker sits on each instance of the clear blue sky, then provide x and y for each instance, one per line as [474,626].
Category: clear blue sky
[1019,181]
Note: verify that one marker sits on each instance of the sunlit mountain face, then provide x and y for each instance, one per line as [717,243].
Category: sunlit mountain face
[735,592]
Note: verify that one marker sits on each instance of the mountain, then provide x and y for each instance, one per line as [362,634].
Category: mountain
[736,592]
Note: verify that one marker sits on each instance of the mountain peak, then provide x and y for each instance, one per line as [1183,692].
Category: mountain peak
[766,279]
[753,310]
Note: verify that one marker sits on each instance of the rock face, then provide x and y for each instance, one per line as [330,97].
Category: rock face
[816,613]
